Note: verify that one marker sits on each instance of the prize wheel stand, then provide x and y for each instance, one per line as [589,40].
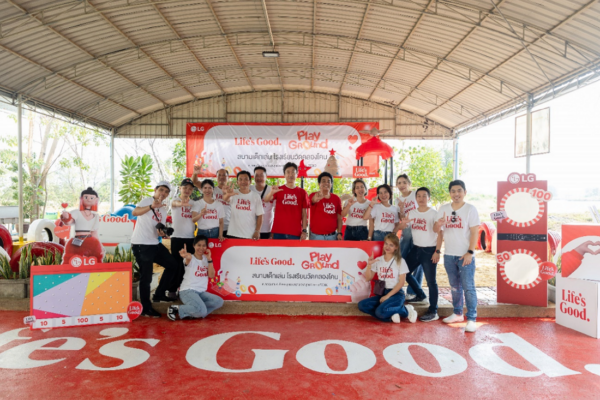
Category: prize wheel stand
[523,234]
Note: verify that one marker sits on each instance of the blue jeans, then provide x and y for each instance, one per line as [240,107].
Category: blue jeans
[421,256]
[384,311]
[284,236]
[356,233]
[314,236]
[406,245]
[378,236]
[462,278]
[198,304]
[212,233]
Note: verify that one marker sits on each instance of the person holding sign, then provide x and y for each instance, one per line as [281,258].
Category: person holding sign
[425,250]
[290,220]
[392,269]
[246,209]
[197,303]
[209,213]
[262,189]
[222,179]
[151,215]
[87,222]
[459,222]
[384,216]
[325,211]
[407,203]
[354,210]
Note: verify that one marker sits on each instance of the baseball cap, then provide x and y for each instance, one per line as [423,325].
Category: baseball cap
[187,181]
[165,184]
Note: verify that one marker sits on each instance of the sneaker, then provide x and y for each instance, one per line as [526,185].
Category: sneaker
[420,300]
[471,326]
[157,298]
[152,313]
[412,314]
[173,312]
[410,297]
[429,316]
[453,318]
[396,318]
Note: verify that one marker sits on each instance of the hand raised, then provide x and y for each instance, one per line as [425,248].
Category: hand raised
[197,169]
[442,221]
[374,202]
[208,254]
[183,252]
[204,211]
[157,203]
[351,200]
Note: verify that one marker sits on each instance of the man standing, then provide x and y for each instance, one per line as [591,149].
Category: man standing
[146,248]
[291,203]
[262,189]
[459,222]
[222,179]
[325,211]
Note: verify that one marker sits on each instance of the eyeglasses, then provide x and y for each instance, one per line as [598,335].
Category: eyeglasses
[453,216]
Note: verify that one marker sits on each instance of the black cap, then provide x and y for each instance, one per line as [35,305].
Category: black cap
[187,181]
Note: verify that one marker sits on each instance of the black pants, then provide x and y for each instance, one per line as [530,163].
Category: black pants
[265,235]
[175,275]
[146,256]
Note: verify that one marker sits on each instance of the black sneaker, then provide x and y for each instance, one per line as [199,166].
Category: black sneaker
[157,298]
[173,312]
[429,316]
[152,313]
[415,299]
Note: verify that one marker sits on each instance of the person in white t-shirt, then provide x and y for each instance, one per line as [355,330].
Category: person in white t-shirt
[209,213]
[246,209]
[392,269]
[384,217]
[261,188]
[459,222]
[406,203]
[197,302]
[218,193]
[357,228]
[183,234]
[147,250]
[425,251]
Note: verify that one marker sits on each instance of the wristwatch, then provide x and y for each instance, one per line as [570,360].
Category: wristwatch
[304,230]
[470,252]
[438,251]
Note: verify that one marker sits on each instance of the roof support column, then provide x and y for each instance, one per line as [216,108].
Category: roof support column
[112,171]
[455,159]
[528,156]
[20,163]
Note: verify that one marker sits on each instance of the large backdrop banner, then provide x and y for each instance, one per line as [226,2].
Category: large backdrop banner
[243,146]
[291,270]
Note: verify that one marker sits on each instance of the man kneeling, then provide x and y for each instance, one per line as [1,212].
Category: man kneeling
[197,303]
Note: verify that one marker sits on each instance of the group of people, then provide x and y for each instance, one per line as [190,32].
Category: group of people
[261,211]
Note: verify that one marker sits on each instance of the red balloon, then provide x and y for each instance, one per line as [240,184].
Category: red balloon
[6,240]
[37,249]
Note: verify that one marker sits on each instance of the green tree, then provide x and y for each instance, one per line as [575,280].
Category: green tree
[135,179]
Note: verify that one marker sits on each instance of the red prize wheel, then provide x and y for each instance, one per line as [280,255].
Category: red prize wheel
[524,235]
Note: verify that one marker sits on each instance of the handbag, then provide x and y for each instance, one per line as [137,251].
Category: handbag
[379,288]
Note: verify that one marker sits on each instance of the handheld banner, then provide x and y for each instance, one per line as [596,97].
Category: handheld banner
[286,270]
[243,146]
[79,293]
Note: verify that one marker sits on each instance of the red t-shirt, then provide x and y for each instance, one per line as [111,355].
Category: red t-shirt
[324,214]
[288,210]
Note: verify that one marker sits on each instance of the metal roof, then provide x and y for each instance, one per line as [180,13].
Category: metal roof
[460,64]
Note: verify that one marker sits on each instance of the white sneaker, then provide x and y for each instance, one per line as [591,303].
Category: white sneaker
[410,297]
[453,318]
[412,314]
[396,318]
[471,326]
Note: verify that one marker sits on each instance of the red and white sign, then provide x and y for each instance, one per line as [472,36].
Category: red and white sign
[361,172]
[581,251]
[577,305]
[286,270]
[134,310]
[243,146]
[115,230]
[63,232]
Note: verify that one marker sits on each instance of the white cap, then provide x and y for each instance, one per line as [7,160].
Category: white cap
[165,184]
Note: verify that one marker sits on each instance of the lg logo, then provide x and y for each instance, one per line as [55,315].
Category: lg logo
[77,261]
[515,178]
[211,245]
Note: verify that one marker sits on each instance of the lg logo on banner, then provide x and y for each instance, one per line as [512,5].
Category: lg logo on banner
[515,178]
[194,129]
[77,261]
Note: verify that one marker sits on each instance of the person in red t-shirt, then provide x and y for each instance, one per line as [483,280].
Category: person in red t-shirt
[325,211]
[290,220]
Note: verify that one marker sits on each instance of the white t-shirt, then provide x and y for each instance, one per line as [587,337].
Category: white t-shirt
[244,210]
[182,220]
[267,207]
[457,234]
[422,227]
[195,276]
[218,195]
[82,224]
[355,214]
[214,212]
[145,226]
[389,271]
[410,202]
[385,217]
